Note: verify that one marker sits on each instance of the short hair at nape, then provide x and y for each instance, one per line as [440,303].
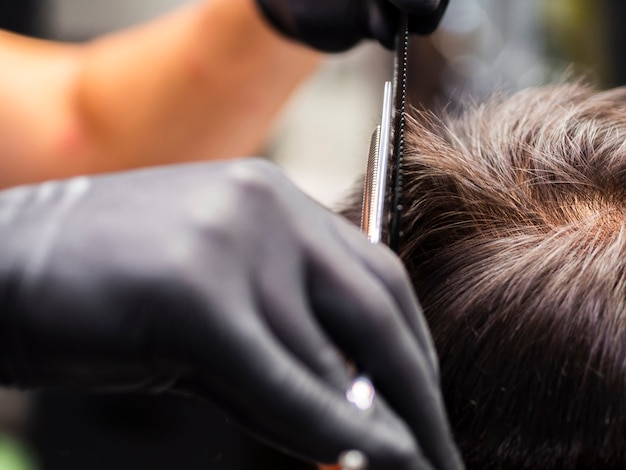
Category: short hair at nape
[515,237]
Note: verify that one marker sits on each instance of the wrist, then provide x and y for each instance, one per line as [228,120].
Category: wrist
[246,33]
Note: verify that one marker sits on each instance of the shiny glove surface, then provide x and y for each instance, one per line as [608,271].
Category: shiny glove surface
[337,25]
[226,282]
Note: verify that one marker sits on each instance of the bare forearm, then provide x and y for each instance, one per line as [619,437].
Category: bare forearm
[201,83]
[207,82]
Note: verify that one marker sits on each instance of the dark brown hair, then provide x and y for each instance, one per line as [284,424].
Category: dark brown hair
[515,238]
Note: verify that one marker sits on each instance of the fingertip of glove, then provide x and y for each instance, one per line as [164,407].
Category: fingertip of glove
[427,24]
[423,28]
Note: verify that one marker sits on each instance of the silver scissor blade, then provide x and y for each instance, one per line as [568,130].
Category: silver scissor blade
[374,193]
[380,191]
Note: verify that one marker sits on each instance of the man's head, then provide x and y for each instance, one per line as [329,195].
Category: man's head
[515,238]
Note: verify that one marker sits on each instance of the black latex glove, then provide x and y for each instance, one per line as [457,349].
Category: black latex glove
[227,282]
[336,25]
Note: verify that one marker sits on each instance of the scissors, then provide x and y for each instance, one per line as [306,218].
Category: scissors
[382,198]
[383,179]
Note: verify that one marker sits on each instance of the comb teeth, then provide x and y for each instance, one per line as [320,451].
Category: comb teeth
[396,194]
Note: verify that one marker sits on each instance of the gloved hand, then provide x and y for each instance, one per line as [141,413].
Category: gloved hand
[336,25]
[227,282]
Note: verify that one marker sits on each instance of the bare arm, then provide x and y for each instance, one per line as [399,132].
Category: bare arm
[201,83]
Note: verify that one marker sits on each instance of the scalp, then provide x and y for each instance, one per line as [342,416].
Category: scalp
[515,240]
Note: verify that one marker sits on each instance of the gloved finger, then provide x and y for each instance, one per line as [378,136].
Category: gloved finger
[388,268]
[269,392]
[383,17]
[280,294]
[293,324]
[418,7]
[360,312]
[423,23]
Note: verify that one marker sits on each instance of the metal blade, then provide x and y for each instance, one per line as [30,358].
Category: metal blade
[374,194]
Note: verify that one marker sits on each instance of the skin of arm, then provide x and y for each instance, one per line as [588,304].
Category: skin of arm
[201,83]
